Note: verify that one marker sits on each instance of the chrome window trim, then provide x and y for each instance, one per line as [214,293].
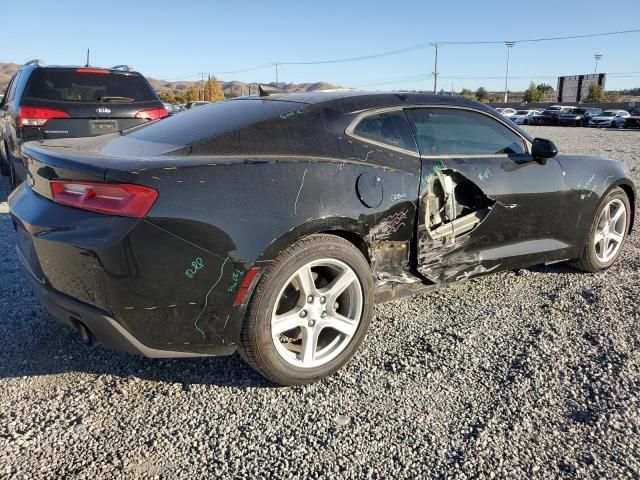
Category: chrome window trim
[375,111]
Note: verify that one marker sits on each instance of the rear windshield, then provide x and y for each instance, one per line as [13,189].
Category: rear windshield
[577,111]
[68,85]
[210,120]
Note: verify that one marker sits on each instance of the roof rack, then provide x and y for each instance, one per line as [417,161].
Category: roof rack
[36,62]
[124,68]
[266,90]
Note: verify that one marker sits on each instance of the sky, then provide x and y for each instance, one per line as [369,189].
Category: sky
[173,40]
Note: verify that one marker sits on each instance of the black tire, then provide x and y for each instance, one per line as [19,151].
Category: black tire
[256,344]
[588,260]
[4,162]
[13,179]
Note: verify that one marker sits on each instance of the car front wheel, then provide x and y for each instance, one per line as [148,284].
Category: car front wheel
[310,311]
[608,232]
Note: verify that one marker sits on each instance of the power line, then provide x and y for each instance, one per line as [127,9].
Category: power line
[421,46]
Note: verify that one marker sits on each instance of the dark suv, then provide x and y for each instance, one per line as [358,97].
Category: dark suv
[578,117]
[48,102]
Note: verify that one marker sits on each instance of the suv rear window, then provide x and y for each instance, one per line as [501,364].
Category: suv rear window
[69,85]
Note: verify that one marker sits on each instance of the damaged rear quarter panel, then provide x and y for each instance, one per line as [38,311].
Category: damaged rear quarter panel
[237,212]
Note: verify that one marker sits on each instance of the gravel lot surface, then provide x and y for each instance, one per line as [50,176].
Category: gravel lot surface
[534,373]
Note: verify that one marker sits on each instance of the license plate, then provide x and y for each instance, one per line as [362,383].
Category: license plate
[100,127]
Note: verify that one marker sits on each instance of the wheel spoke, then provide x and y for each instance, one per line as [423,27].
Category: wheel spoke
[616,237]
[342,324]
[287,321]
[607,214]
[309,345]
[306,282]
[616,216]
[340,284]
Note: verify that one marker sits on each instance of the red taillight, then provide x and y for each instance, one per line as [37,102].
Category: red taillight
[244,286]
[152,113]
[38,116]
[120,199]
[92,70]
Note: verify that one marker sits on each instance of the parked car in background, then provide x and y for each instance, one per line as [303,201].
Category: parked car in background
[633,120]
[507,112]
[549,116]
[52,102]
[190,105]
[523,117]
[578,117]
[610,119]
[171,109]
[213,231]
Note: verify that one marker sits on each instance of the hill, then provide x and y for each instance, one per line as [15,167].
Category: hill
[234,87]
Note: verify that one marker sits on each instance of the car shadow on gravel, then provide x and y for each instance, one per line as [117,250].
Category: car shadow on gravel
[54,350]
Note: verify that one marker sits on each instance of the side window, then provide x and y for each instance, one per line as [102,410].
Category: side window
[450,131]
[12,87]
[389,128]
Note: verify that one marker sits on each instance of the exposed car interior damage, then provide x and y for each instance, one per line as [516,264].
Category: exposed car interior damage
[453,206]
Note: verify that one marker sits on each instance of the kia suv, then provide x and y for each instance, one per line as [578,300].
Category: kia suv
[50,102]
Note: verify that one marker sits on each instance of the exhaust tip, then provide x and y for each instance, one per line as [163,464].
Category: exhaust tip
[85,334]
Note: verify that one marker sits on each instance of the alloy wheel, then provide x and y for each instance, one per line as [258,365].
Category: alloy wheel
[317,313]
[611,230]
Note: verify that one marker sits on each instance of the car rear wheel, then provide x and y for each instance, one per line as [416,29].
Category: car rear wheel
[310,311]
[608,232]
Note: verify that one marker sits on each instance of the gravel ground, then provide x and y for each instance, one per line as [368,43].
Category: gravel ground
[534,373]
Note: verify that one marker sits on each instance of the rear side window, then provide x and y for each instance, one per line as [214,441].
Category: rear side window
[69,85]
[389,128]
[12,87]
[441,131]
[211,120]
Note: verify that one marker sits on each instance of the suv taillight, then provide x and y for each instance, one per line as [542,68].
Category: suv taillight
[152,113]
[38,116]
[120,199]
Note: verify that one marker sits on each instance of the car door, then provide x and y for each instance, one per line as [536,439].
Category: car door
[485,203]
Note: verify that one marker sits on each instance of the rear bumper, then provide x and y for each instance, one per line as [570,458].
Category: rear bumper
[92,324]
[124,280]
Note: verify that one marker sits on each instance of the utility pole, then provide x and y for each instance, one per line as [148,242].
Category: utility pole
[276,65]
[598,57]
[87,58]
[202,74]
[435,69]
[506,76]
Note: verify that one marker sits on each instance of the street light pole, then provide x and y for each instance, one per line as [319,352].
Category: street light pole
[598,57]
[435,69]
[506,76]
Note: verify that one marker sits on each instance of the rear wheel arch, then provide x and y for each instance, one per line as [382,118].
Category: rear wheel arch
[342,227]
[628,189]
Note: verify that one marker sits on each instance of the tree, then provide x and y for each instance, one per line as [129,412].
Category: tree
[533,94]
[168,97]
[193,94]
[482,94]
[613,96]
[466,93]
[545,89]
[596,94]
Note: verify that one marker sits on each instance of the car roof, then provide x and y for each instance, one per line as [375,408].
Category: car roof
[74,67]
[373,99]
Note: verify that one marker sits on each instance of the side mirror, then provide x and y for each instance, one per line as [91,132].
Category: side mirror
[543,148]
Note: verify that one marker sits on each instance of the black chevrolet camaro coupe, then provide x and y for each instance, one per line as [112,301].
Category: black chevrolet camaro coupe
[271,224]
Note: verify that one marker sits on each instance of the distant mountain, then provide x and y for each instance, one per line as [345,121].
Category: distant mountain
[233,87]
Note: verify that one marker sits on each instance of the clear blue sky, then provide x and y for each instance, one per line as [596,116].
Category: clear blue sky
[177,39]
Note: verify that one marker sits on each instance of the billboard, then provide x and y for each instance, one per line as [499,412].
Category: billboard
[576,87]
